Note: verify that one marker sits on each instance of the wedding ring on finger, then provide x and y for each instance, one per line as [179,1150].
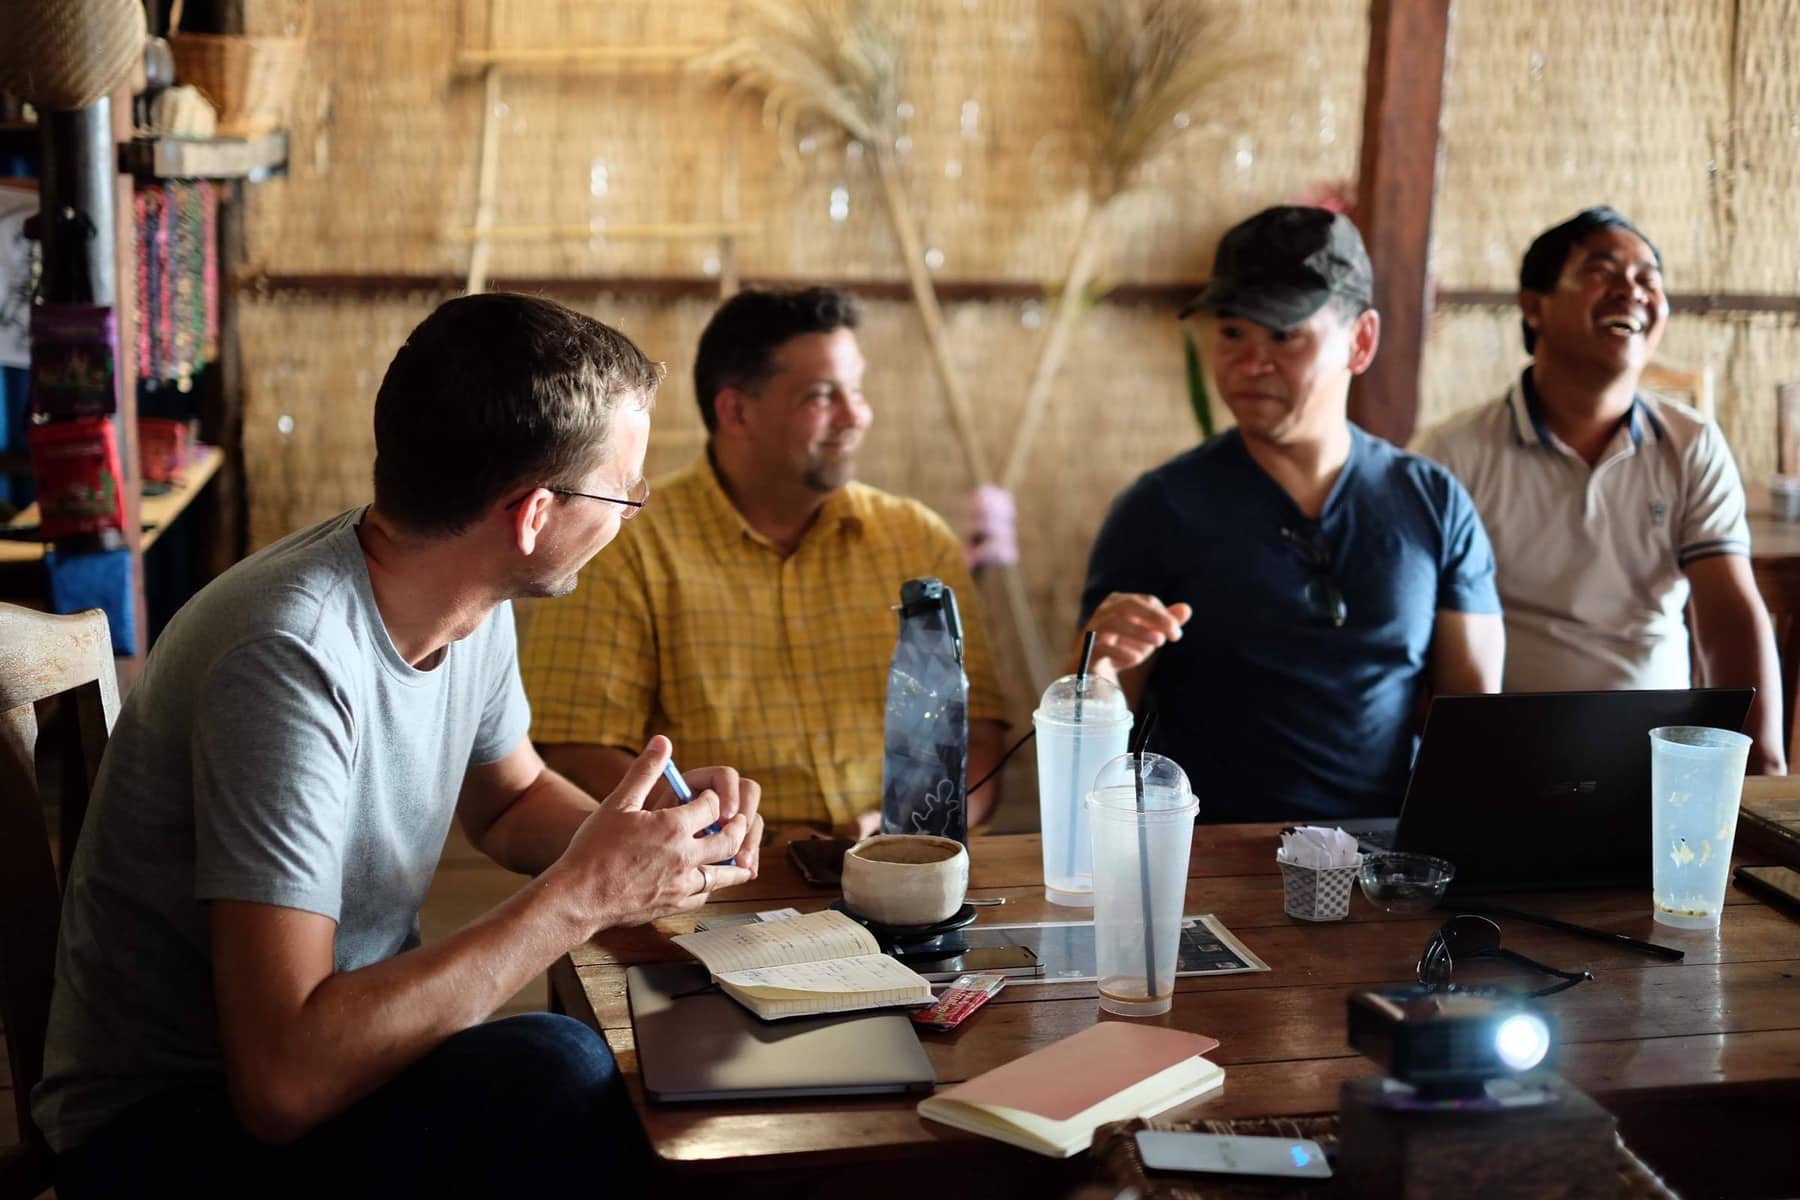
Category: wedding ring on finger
[705,880]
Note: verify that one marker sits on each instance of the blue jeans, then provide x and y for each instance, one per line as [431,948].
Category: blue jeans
[513,1107]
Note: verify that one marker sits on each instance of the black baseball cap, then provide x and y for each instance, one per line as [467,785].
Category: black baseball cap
[1283,265]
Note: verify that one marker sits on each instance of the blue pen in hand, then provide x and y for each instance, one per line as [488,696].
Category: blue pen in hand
[685,795]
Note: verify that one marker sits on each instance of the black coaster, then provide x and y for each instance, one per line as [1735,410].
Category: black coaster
[917,941]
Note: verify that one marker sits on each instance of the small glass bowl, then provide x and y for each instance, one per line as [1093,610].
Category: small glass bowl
[1403,883]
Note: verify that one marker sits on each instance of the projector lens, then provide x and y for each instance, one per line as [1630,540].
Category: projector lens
[1522,1041]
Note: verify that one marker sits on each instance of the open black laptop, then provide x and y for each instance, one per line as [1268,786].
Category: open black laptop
[1542,790]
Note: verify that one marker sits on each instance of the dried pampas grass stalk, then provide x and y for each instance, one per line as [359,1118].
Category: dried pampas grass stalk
[1153,68]
[839,61]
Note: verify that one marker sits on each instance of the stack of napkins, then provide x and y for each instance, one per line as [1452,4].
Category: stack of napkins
[1318,847]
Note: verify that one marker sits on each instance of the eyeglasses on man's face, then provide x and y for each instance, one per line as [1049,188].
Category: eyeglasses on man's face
[640,495]
[1468,936]
[1324,599]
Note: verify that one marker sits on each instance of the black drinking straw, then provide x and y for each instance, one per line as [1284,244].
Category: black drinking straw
[1137,778]
[1081,676]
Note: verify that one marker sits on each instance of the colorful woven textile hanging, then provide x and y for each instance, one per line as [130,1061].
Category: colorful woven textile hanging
[178,279]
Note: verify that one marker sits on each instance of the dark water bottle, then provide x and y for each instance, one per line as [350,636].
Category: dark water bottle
[924,766]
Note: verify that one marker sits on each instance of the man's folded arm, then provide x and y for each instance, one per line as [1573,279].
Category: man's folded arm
[594,768]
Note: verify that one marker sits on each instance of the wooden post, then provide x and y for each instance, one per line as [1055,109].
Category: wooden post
[227,508]
[222,397]
[82,264]
[1395,190]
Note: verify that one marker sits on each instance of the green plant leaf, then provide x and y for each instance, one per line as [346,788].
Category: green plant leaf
[1196,386]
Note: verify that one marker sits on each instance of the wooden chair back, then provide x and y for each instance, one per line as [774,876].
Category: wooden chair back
[68,660]
[1693,387]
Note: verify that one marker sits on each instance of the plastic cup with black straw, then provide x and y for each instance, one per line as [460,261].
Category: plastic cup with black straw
[1141,811]
[1081,722]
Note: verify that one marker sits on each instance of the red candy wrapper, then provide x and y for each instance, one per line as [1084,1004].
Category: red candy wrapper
[162,449]
[76,465]
[965,994]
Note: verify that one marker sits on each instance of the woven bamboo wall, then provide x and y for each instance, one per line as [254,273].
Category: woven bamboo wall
[309,404]
[1551,107]
[1474,353]
[384,162]
[387,143]
[1684,113]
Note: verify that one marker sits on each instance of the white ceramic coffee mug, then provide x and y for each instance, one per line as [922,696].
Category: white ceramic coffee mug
[906,879]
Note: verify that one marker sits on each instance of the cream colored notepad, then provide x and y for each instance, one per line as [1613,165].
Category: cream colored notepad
[819,963]
[1052,1100]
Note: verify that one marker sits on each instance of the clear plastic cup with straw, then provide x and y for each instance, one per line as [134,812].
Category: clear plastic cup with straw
[1081,723]
[1142,811]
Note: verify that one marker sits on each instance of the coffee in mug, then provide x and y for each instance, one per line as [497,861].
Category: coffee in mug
[906,879]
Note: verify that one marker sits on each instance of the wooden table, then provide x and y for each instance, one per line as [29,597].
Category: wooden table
[1706,1047]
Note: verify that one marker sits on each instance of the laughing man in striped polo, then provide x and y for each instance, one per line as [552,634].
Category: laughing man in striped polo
[1609,508]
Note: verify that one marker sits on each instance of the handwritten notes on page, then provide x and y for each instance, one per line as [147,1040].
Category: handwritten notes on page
[832,985]
[811,938]
[819,963]
[865,973]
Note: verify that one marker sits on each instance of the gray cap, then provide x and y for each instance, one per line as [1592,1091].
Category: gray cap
[1282,265]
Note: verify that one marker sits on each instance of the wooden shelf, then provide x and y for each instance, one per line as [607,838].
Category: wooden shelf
[155,512]
[254,159]
[695,230]
[597,60]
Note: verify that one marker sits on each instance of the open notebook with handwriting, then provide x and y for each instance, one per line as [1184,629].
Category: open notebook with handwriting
[822,962]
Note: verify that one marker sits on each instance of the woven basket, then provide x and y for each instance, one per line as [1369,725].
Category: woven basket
[66,54]
[1314,893]
[250,80]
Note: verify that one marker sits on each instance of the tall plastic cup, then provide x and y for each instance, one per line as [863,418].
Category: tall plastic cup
[1143,825]
[1696,780]
[1082,722]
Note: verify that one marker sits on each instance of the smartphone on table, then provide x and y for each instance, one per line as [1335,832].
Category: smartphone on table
[1778,887]
[982,960]
[1231,1154]
[820,861]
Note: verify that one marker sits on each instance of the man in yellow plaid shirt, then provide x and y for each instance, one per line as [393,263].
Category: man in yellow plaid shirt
[747,612]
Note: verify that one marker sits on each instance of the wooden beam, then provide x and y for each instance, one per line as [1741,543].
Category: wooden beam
[961,291]
[1168,296]
[1401,106]
[666,232]
[600,60]
[1690,302]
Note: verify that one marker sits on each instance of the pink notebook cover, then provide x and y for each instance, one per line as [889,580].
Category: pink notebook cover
[1079,1072]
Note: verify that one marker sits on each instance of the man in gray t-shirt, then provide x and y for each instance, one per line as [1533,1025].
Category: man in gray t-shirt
[239,980]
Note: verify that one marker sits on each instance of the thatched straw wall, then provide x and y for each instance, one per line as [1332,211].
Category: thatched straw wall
[1551,107]
[384,163]
[1683,117]
[387,144]
[1474,353]
[307,427]
[1685,114]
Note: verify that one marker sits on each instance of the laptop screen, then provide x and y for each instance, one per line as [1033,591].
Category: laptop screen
[1547,790]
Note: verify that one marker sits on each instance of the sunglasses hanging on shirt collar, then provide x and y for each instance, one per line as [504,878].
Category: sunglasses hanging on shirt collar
[1324,599]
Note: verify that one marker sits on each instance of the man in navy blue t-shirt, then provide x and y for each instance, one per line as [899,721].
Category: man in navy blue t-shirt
[1284,594]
